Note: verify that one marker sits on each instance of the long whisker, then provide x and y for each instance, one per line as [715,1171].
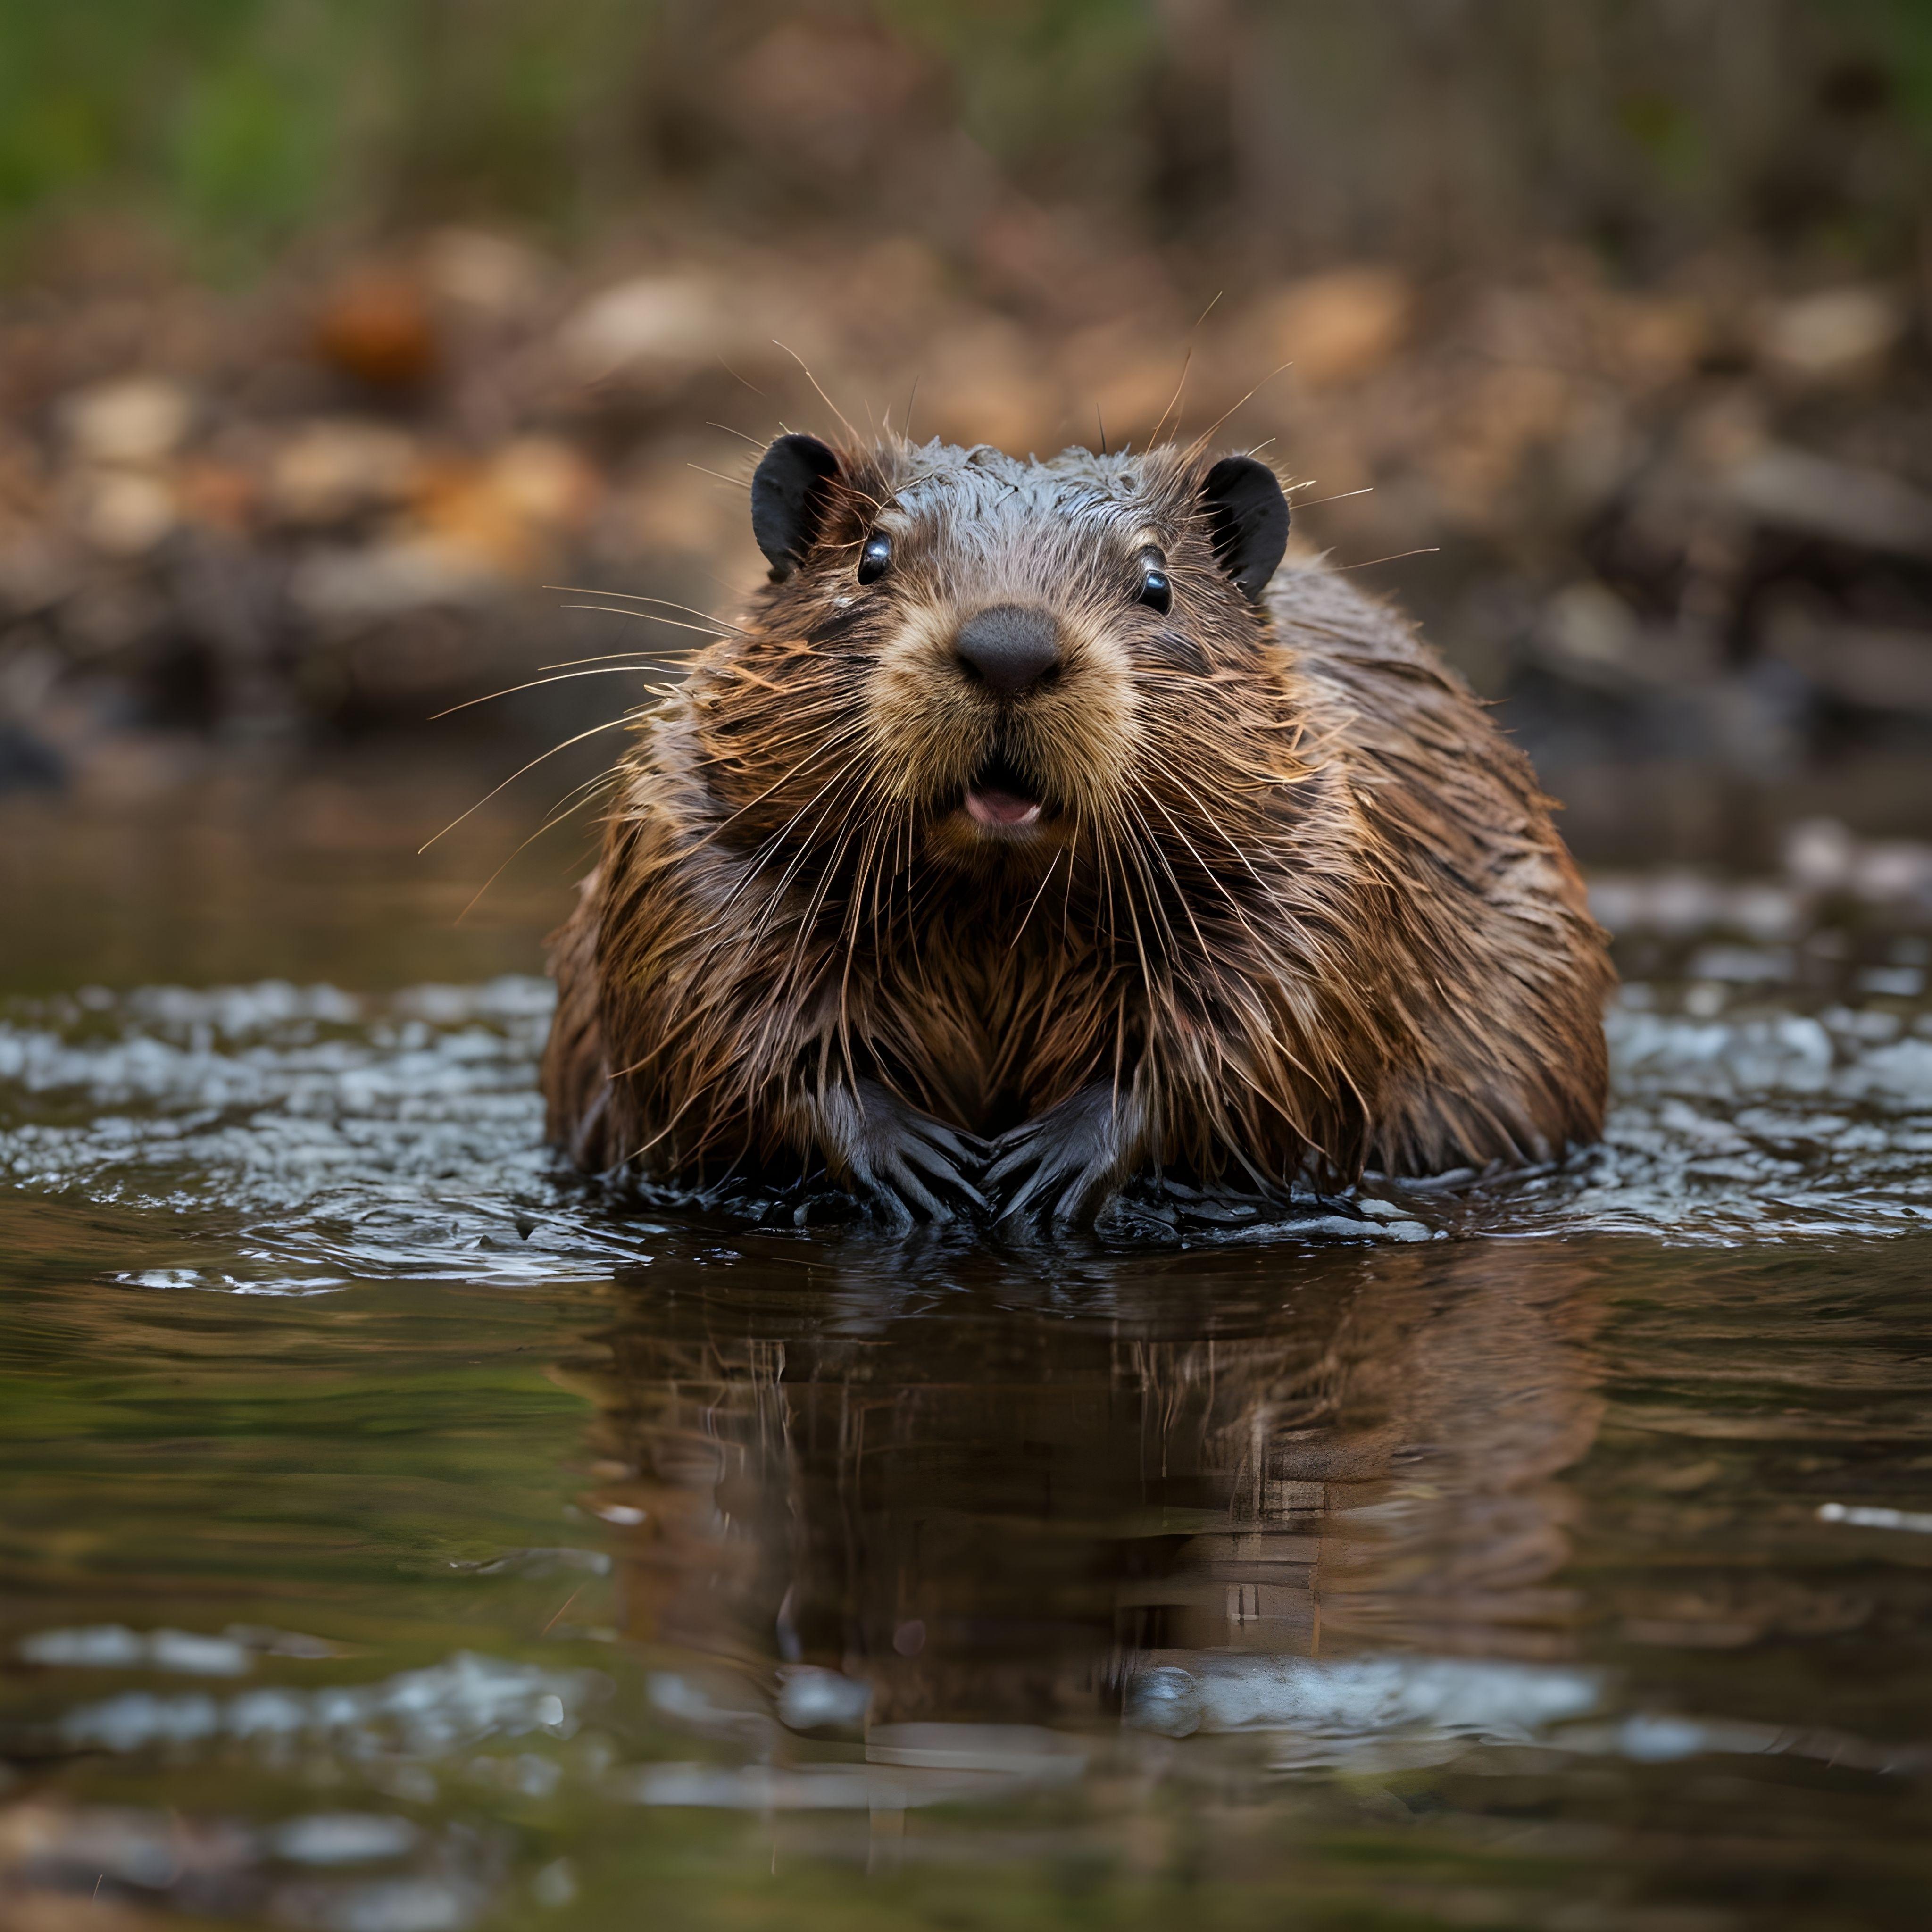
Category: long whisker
[902,855]
[775,904]
[755,863]
[510,691]
[1136,846]
[1220,830]
[822,396]
[1073,863]
[1173,401]
[638,597]
[683,654]
[844,800]
[1167,865]
[609,725]
[869,878]
[785,778]
[1200,442]
[1427,550]
[827,873]
[1133,914]
[1026,917]
[649,616]
[574,801]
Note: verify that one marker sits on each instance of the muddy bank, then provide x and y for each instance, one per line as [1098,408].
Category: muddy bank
[1683,532]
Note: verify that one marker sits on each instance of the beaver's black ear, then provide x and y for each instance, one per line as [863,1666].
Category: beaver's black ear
[1247,515]
[790,493]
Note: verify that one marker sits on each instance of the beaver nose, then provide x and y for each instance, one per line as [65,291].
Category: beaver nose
[1011,646]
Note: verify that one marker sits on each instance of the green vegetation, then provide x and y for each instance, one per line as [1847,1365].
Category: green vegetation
[237,124]
[232,116]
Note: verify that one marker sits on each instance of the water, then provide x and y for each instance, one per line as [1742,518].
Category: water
[393,1538]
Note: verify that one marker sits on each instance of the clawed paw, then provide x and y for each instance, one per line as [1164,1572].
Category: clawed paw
[909,1166]
[1060,1167]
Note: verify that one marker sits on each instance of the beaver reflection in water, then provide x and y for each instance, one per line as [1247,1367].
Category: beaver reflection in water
[1038,833]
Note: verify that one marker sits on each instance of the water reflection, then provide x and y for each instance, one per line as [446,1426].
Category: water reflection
[784,1552]
[392,1535]
[992,1507]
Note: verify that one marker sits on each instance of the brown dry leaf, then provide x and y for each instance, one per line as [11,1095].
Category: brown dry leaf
[466,513]
[124,512]
[336,467]
[652,333]
[1649,340]
[489,274]
[377,325]
[1837,336]
[135,421]
[545,481]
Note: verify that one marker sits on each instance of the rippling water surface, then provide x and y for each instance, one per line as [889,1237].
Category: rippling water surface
[394,1537]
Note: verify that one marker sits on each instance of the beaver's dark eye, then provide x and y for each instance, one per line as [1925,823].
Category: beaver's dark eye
[1155,592]
[875,558]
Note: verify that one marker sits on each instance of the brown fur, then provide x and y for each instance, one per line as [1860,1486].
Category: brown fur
[1296,909]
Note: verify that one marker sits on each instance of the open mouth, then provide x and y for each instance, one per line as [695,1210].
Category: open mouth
[1000,799]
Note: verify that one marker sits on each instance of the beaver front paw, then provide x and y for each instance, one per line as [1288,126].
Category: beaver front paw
[906,1164]
[1064,1165]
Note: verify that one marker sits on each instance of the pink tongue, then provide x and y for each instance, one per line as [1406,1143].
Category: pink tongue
[1002,807]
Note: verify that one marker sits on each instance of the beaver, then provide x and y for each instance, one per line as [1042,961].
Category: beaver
[1038,833]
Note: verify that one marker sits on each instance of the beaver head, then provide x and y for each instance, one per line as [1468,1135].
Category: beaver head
[986,662]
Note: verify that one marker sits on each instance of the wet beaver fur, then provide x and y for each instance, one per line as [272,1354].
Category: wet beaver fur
[1038,833]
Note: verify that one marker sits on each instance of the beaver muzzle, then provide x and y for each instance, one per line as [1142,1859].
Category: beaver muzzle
[1001,798]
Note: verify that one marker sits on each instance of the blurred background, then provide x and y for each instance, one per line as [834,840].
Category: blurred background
[334,335]
[332,332]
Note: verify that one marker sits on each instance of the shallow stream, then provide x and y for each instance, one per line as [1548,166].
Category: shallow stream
[395,1538]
